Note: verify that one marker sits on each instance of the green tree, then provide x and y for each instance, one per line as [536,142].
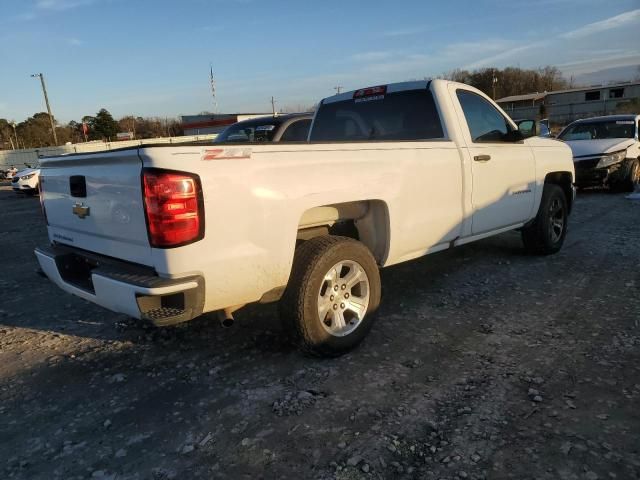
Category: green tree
[7,140]
[103,126]
[35,131]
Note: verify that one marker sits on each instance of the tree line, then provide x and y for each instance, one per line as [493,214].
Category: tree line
[509,81]
[35,131]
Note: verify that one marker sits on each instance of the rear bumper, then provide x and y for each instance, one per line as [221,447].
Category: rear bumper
[123,287]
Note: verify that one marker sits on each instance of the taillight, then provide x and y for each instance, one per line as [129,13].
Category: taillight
[173,207]
[370,92]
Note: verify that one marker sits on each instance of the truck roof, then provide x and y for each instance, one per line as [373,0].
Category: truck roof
[394,87]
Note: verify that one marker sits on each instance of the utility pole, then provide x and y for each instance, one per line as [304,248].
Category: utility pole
[494,80]
[273,106]
[15,134]
[46,100]
[212,81]
[338,89]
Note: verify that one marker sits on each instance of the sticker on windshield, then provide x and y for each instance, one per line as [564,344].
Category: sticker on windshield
[225,153]
[625,122]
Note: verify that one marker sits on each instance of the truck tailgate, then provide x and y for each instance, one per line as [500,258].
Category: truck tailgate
[94,202]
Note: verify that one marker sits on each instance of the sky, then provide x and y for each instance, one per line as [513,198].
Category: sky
[152,57]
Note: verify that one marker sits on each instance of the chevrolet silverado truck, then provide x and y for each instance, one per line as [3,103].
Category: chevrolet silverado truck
[606,151]
[389,174]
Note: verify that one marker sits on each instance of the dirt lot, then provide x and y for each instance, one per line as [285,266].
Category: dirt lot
[484,363]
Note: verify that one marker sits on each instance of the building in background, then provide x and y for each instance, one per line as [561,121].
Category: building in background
[564,106]
[214,122]
[124,136]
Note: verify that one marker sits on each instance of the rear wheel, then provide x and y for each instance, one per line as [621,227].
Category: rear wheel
[332,294]
[547,232]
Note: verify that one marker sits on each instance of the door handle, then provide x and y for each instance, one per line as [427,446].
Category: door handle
[482,158]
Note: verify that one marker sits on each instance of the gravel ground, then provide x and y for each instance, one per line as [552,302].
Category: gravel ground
[484,363]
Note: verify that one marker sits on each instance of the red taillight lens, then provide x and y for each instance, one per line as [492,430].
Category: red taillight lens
[173,206]
[370,92]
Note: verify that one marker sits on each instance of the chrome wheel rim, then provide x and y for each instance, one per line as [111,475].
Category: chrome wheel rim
[343,298]
[556,220]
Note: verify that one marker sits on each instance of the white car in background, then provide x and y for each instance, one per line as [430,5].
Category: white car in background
[26,181]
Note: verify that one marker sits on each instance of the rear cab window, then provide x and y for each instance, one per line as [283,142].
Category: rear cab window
[373,114]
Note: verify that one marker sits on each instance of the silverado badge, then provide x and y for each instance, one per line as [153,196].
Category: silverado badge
[80,210]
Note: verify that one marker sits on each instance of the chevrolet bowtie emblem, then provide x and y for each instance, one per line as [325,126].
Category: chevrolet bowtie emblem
[80,210]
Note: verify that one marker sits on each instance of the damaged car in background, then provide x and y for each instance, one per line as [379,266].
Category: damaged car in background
[606,151]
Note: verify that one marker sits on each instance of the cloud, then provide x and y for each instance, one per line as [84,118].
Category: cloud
[25,17]
[503,55]
[624,19]
[455,51]
[590,29]
[61,4]
[75,42]
[592,64]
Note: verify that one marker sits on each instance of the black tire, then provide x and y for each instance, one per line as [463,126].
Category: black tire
[299,305]
[629,178]
[543,236]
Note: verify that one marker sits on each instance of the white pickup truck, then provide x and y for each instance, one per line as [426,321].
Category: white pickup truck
[389,174]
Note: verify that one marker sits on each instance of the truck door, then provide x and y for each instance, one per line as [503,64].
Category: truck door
[502,169]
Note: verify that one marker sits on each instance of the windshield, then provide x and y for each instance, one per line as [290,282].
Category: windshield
[248,132]
[405,115]
[599,130]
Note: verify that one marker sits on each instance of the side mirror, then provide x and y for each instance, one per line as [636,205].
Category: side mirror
[527,128]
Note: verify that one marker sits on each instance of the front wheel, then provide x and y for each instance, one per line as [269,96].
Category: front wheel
[629,178]
[332,294]
[547,232]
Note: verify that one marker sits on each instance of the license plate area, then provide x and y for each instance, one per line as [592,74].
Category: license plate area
[76,270]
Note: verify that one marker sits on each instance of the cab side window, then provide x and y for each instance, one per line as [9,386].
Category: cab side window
[297,131]
[486,124]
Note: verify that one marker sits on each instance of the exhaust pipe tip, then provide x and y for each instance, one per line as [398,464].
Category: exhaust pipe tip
[225,316]
[226,319]
[227,322]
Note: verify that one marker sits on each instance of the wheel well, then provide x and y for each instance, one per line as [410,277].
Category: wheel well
[365,220]
[565,181]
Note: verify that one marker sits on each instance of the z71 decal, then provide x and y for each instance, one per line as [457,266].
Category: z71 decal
[225,153]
